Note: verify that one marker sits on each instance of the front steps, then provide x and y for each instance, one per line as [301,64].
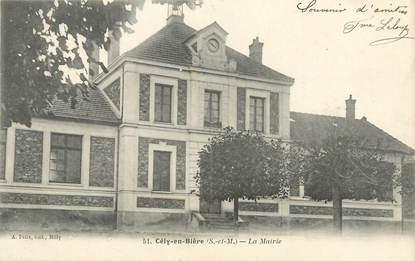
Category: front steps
[220,222]
[217,222]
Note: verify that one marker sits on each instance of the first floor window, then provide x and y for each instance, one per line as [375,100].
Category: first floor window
[65,158]
[256,114]
[161,170]
[212,109]
[162,108]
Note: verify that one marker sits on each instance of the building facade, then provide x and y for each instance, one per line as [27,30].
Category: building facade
[127,158]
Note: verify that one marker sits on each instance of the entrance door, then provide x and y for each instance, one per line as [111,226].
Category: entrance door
[210,207]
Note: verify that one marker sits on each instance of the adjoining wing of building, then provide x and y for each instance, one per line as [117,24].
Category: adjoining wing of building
[127,158]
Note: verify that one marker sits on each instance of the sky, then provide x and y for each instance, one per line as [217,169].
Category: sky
[312,47]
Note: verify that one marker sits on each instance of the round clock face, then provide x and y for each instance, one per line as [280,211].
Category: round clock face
[213,45]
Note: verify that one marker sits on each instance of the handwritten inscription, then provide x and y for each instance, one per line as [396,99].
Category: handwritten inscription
[391,24]
[311,7]
[387,20]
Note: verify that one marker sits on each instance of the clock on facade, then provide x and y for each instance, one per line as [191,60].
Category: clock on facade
[213,45]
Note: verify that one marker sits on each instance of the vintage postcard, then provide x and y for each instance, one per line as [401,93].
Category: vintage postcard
[207,130]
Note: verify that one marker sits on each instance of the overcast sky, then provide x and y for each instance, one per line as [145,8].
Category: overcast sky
[327,64]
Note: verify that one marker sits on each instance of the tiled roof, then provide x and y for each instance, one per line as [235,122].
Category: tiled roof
[96,109]
[167,46]
[312,128]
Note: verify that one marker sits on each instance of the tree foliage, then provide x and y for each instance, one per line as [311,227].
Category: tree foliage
[342,163]
[408,190]
[340,168]
[244,165]
[41,40]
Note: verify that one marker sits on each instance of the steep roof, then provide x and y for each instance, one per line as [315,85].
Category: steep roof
[97,109]
[309,128]
[168,46]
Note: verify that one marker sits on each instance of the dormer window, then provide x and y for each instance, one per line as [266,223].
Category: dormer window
[208,47]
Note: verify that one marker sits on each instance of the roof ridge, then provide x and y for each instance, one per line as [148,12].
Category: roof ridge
[321,115]
[167,45]
[390,136]
[257,63]
[366,122]
[156,33]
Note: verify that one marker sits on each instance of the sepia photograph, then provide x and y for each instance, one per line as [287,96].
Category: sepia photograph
[207,130]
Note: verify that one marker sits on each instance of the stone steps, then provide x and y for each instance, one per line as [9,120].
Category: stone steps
[219,222]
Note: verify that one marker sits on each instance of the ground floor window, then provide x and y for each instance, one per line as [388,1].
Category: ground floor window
[161,170]
[65,158]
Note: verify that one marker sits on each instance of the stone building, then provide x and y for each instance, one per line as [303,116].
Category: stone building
[127,158]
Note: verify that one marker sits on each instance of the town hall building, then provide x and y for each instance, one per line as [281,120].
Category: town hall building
[127,158]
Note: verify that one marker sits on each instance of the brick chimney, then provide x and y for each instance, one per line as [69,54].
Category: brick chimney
[114,49]
[255,50]
[175,19]
[93,67]
[350,108]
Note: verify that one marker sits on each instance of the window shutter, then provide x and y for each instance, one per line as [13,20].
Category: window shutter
[144,114]
[241,100]
[274,113]
[182,102]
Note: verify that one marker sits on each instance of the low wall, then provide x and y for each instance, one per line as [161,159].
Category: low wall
[303,226]
[12,219]
[97,221]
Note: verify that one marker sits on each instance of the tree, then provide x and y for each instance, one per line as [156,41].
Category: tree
[245,165]
[408,190]
[341,168]
[42,40]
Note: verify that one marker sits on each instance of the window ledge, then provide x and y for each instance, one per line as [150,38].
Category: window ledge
[163,123]
[215,126]
[348,201]
[298,198]
[64,184]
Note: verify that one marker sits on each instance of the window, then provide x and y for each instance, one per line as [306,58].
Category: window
[212,109]
[256,114]
[162,109]
[65,159]
[161,170]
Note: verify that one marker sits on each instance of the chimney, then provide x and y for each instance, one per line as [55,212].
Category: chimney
[350,108]
[114,49]
[93,67]
[175,19]
[255,50]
